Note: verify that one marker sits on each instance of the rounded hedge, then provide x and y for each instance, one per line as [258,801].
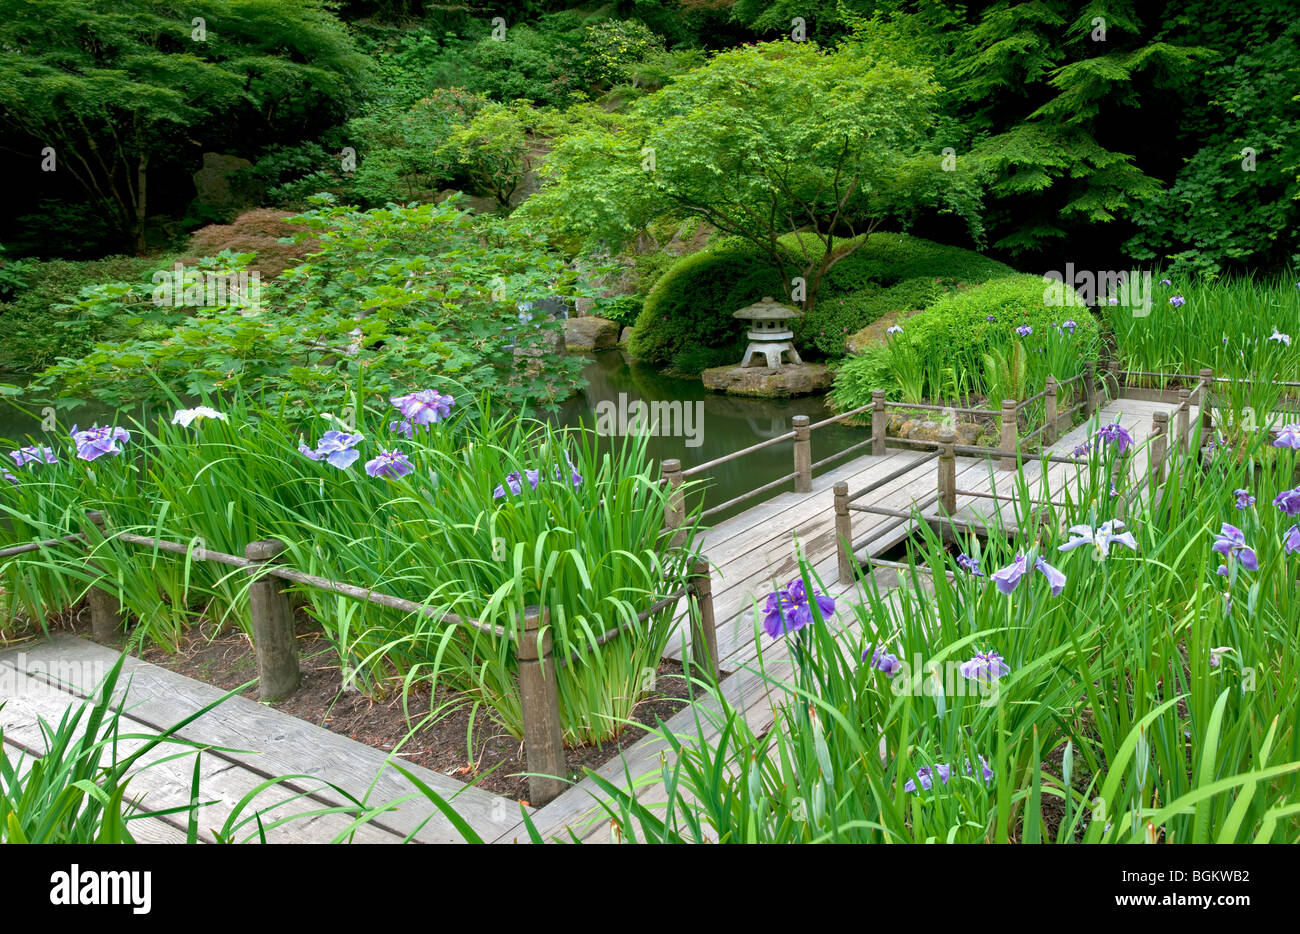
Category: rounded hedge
[891,272]
[959,323]
[691,304]
[689,309]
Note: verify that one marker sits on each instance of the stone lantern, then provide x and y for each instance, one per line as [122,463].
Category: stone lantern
[769,334]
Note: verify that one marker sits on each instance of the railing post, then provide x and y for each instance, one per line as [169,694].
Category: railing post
[1049,432]
[107,621]
[1159,448]
[844,534]
[948,473]
[704,635]
[802,455]
[539,694]
[273,636]
[1207,420]
[1010,412]
[1181,426]
[675,515]
[1090,387]
[879,422]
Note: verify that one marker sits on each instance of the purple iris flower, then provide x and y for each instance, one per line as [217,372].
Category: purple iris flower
[894,329]
[985,666]
[1291,540]
[422,408]
[1116,434]
[337,448]
[1178,301]
[1024,330]
[1280,337]
[96,441]
[1166,282]
[1244,499]
[990,318]
[787,609]
[38,454]
[984,767]
[969,564]
[392,464]
[1288,437]
[1231,543]
[1288,501]
[1009,577]
[8,476]
[574,477]
[1081,450]
[1070,324]
[515,483]
[925,775]
[883,661]
[1110,533]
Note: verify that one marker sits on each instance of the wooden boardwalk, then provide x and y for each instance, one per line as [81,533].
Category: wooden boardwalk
[752,553]
[40,681]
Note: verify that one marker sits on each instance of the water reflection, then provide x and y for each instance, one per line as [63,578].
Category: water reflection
[729,424]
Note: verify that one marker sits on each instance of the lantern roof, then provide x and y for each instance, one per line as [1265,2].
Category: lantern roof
[767,310]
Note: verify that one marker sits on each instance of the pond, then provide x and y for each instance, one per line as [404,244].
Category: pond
[710,425]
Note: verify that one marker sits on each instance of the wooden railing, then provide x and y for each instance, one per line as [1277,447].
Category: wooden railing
[275,644]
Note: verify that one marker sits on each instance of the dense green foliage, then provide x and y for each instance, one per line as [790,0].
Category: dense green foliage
[118,90]
[759,142]
[891,272]
[690,306]
[692,303]
[37,333]
[393,296]
[952,349]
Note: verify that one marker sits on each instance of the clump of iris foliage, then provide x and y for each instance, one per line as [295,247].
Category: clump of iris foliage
[996,340]
[1240,327]
[433,498]
[1123,672]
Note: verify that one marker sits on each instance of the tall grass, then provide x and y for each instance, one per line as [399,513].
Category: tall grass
[1225,324]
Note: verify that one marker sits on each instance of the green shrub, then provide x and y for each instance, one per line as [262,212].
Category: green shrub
[892,272]
[622,308]
[838,317]
[691,305]
[952,349]
[34,337]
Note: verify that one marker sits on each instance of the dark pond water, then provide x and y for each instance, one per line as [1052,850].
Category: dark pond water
[706,426]
[718,424]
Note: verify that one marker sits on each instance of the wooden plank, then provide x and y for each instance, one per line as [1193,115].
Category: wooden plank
[284,745]
[161,780]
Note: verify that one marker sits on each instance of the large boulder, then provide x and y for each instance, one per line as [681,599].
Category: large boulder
[213,183]
[791,379]
[590,333]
